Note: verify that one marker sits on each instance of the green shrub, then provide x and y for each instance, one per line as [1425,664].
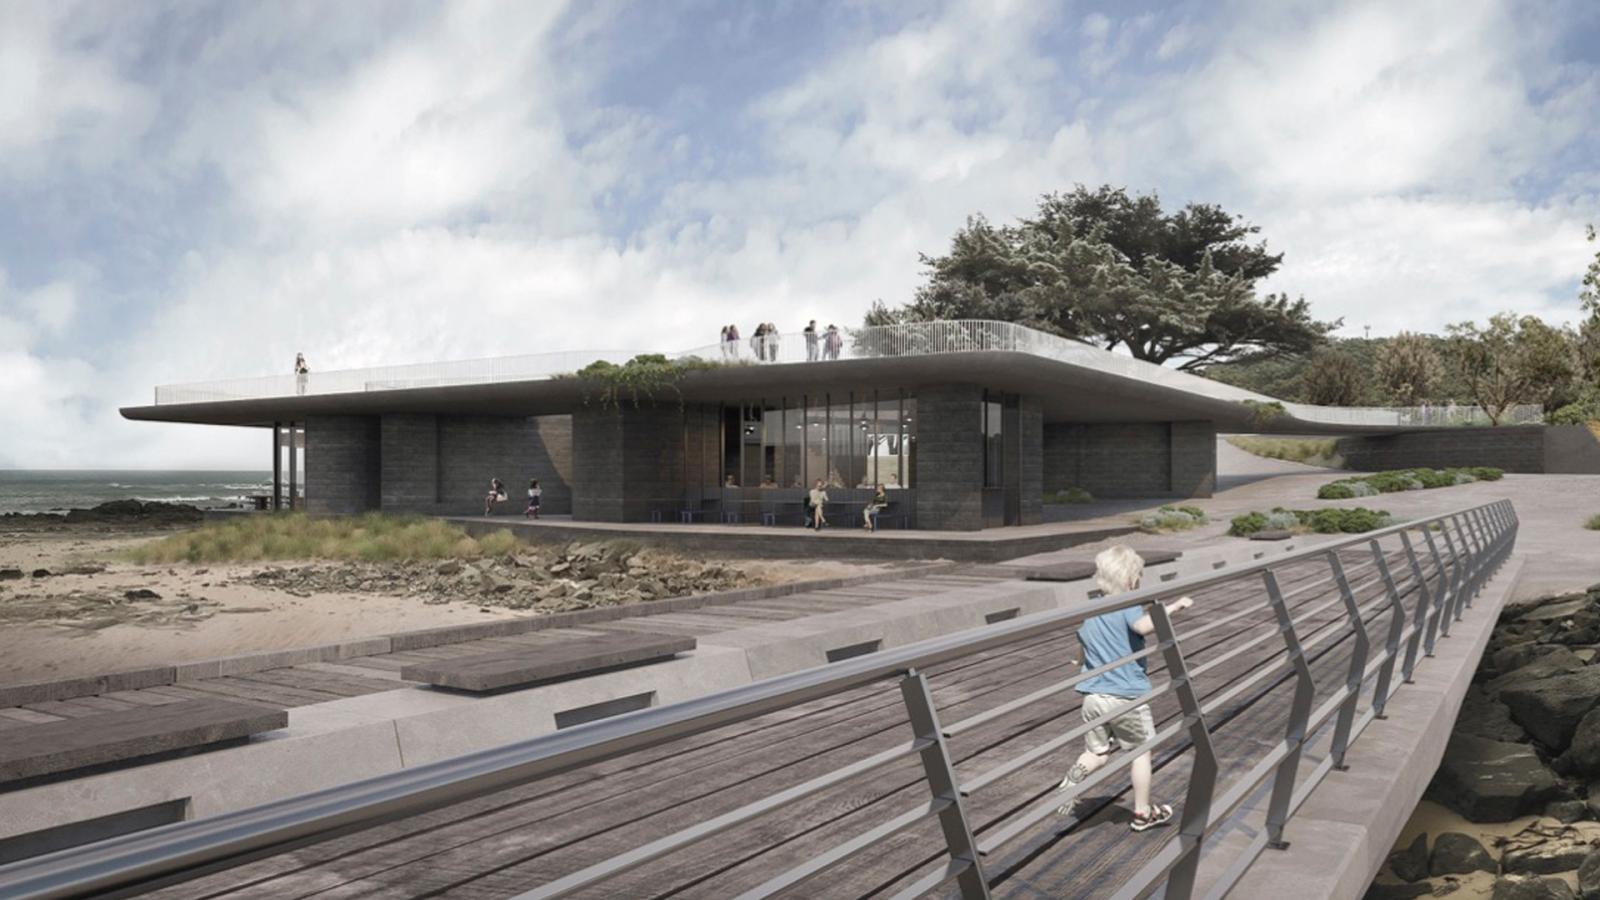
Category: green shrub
[1069,495]
[1336,490]
[1404,480]
[1593,524]
[1264,413]
[1486,473]
[1172,518]
[1333,520]
[1247,524]
[373,537]
[1310,451]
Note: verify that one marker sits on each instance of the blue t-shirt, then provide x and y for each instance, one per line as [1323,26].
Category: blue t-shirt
[1107,638]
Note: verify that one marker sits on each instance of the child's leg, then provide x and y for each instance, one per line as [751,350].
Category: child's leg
[1140,773]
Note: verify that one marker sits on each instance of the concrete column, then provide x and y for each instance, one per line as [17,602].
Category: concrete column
[1030,438]
[950,458]
[514,449]
[342,464]
[1194,458]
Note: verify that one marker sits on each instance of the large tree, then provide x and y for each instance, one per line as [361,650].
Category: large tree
[1334,378]
[1512,360]
[1408,368]
[1116,270]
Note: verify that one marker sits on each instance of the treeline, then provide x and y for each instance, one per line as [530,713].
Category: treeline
[1118,271]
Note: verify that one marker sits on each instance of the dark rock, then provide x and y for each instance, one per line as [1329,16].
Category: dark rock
[135,510]
[1487,717]
[1492,781]
[141,594]
[1532,889]
[1515,656]
[1559,661]
[1589,877]
[1562,854]
[41,573]
[1455,853]
[1551,708]
[1583,755]
[1592,796]
[1567,811]
[10,574]
[1398,891]
[1411,864]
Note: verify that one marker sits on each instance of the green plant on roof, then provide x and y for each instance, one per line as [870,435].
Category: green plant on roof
[647,376]
[1264,412]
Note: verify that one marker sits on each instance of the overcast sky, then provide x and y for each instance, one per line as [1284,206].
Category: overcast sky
[195,191]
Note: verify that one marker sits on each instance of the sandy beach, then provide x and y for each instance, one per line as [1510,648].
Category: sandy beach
[94,613]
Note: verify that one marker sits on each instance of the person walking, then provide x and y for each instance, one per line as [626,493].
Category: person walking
[880,502]
[301,370]
[831,342]
[722,343]
[758,342]
[497,494]
[813,351]
[1107,696]
[733,342]
[817,498]
[535,495]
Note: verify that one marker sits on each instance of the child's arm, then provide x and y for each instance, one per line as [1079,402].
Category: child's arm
[1146,626]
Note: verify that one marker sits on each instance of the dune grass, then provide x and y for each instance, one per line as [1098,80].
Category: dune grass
[1310,451]
[293,536]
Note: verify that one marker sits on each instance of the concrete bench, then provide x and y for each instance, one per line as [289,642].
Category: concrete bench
[52,748]
[1077,570]
[494,671]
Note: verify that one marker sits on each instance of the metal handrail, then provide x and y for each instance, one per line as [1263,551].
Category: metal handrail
[906,339]
[168,851]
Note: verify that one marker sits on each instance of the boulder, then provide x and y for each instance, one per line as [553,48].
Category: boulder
[1559,661]
[1560,854]
[1583,755]
[1515,656]
[1492,781]
[1411,863]
[1455,853]
[140,594]
[1487,717]
[1566,811]
[1551,708]
[1531,889]
[41,573]
[10,574]
[1589,877]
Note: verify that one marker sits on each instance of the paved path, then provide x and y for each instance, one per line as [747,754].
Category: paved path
[499,845]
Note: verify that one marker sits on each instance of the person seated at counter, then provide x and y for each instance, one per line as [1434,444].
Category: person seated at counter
[768,482]
[731,481]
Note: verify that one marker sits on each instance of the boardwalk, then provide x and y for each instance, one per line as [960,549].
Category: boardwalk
[508,842]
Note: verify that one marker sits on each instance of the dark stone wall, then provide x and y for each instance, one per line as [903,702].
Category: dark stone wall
[1030,434]
[1512,448]
[409,462]
[342,464]
[627,462]
[1147,459]
[950,458]
[1194,459]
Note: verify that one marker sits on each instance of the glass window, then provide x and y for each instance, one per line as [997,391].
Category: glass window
[792,470]
[908,442]
[993,442]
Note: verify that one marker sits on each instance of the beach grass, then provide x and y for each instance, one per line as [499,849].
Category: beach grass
[292,536]
[1310,451]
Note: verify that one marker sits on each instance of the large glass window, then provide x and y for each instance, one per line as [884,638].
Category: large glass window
[847,438]
[993,442]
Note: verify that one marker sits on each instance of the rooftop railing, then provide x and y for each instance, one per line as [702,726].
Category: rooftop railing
[1283,664]
[911,339]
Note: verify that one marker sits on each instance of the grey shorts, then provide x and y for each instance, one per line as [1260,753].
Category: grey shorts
[1130,729]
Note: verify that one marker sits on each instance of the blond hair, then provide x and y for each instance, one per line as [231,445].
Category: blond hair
[1117,569]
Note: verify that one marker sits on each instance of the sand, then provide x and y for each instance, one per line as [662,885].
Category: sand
[68,625]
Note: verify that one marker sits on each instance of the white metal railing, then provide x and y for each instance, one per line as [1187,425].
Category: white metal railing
[876,342]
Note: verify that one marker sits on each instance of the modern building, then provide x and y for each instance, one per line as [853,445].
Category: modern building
[968,424]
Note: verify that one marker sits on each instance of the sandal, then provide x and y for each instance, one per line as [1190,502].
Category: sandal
[1075,775]
[1159,814]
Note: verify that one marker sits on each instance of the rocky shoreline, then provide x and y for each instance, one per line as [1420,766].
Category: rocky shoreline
[113,514]
[1526,746]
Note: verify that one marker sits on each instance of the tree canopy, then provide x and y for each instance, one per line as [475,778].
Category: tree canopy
[1116,270]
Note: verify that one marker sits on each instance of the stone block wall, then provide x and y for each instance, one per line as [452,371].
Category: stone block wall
[1513,448]
[1030,434]
[627,462]
[409,462]
[950,458]
[342,464]
[1144,459]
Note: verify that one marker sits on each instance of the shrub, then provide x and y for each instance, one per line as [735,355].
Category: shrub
[1172,518]
[1337,490]
[1069,495]
[1486,473]
[1593,524]
[1404,480]
[372,537]
[1264,412]
[1311,452]
[1333,520]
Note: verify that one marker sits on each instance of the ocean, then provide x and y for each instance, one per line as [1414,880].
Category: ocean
[57,490]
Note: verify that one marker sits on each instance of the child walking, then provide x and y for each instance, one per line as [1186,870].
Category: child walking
[535,493]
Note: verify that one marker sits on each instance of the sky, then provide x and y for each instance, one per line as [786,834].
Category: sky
[192,191]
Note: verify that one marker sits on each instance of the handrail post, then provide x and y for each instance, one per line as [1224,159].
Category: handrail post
[1397,622]
[1358,663]
[1299,714]
[1419,620]
[942,783]
[1445,581]
[1458,570]
[1202,775]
